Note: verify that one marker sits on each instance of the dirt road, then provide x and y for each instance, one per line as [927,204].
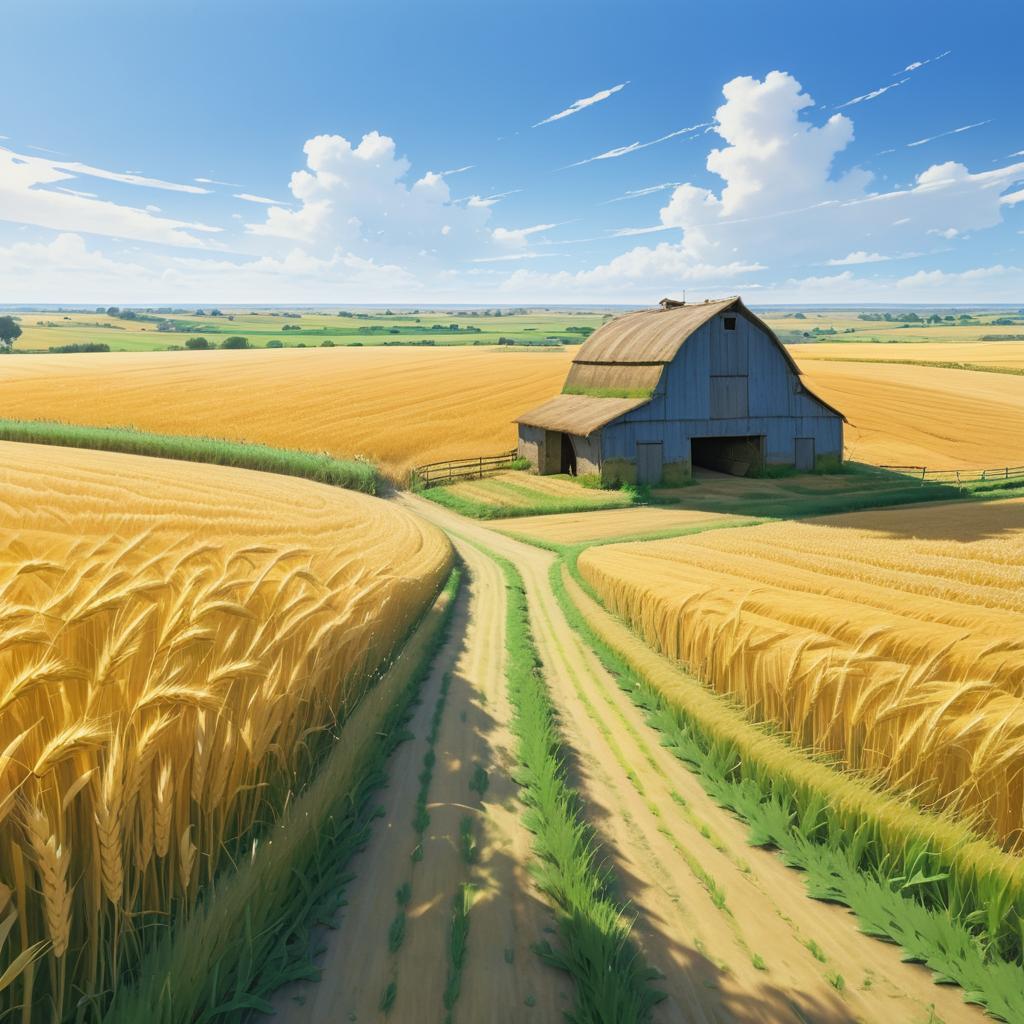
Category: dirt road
[731,929]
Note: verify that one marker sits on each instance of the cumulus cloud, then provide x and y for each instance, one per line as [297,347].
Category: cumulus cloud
[26,197]
[782,204]
[578,105]
[996,283]
[357,198]
[781,200]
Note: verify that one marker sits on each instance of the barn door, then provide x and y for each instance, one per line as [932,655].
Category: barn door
[648,462]
[803,452]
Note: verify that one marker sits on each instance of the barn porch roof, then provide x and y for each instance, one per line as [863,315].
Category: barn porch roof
[578,414]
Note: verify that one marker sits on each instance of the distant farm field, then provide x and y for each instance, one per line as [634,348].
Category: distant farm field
[402,407]
[891,639]
[180,642]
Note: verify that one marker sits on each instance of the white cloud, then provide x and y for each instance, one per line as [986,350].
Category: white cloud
[214,181]
[874,94]
[921,63]
[25,198]
[127,177]
[579,105]
[67,268]
[482,202]
[250,198]
[854,258]
[943,135]
[611,154]
[356,198]
[636,193]
[457,170]
[629,232]
[517,256]
[782,205]
[518,236]
[998,283]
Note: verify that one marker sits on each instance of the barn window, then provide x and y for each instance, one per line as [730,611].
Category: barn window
[730,323]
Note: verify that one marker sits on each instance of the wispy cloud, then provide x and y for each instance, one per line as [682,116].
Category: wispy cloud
[874,94]
[481,201]
[214,181]
[43,149]
[75,192]
[518,236]
[628,232]
[611,154]
[954,131]
[457,170]
[856,258]
[579,105]
[636,193]
[250,198]
[921,63]
[517,256]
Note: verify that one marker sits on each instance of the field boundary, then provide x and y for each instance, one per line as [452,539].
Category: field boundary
[351,474]
[959,476]
[449,471]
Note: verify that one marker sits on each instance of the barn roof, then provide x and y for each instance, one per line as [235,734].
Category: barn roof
[579,414]
[653,338]
[656,335]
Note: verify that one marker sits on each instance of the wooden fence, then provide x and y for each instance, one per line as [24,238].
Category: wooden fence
[960,476]
[435,473]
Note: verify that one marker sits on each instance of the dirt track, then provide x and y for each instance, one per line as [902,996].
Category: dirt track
[731,929]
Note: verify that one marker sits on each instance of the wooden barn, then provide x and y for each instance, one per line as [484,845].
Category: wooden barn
[654,393]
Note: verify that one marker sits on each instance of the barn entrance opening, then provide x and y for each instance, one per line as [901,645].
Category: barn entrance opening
[737,456]
[568,460]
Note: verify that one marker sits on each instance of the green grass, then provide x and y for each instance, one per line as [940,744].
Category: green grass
[256,928]
[950,900]
[458,944]
[353,474]
[610,392]
[612,981]
[514,501]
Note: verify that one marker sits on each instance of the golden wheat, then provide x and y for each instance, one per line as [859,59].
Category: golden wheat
[892,639]
[173,640]
[404,407]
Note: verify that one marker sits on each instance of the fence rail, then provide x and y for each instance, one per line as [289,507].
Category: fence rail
[452,470]
[960,476]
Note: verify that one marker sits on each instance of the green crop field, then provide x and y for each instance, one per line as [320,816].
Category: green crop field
[47,330]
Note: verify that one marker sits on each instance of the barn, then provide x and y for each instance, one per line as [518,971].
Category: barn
[652,394]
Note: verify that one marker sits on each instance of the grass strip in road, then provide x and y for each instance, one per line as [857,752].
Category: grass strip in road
[255,929]
[895,867]
[352,474]
[612,980]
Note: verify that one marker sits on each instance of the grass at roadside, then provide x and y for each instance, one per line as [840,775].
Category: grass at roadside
[256,925]
[521,494]
[352,474]
[950,900]
[613,983]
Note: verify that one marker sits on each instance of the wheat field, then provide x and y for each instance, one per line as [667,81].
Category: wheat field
[177,644]
[891,639]
[403,407]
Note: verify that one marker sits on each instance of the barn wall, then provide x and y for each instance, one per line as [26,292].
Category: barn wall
[588,453]
[531,445]
[776,406]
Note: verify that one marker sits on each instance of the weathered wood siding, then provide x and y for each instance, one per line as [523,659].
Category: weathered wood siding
[776,406]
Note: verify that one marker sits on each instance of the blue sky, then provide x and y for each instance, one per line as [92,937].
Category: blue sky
[391,152]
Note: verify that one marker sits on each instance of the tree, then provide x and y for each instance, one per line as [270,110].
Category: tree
[200,312]
[10,331]
[197,343]
[275,343]
[235,341]
[216,312]
[113,310]
[327,343]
